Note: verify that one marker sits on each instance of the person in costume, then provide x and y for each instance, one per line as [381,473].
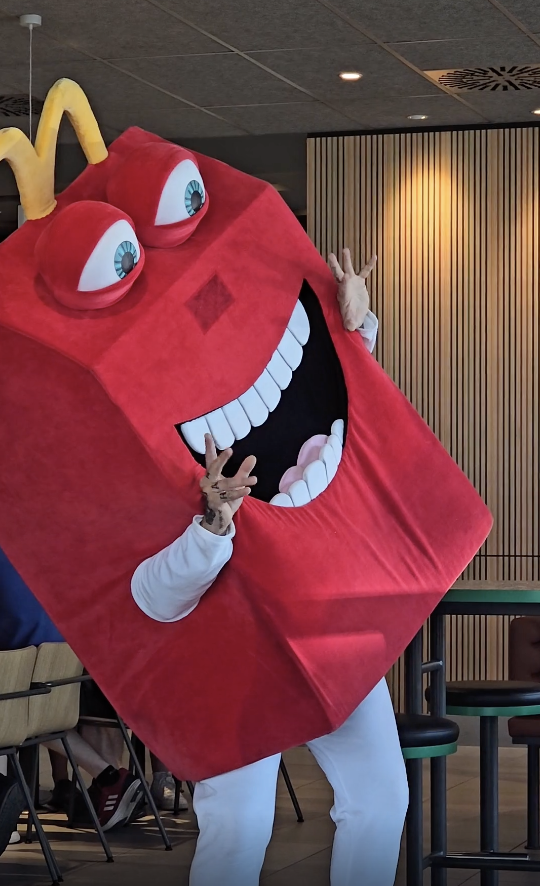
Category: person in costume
[362,759]
[163,305]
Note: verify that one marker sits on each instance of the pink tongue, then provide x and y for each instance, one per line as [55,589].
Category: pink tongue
[308,454]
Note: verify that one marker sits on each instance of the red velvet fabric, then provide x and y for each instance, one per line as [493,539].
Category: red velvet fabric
[150,165]
[66,244]
[317,602]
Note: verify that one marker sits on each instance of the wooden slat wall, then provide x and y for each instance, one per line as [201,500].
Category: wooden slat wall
[455,220]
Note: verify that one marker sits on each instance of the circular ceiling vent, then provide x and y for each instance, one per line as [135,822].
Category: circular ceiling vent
[503,79]
[19,106]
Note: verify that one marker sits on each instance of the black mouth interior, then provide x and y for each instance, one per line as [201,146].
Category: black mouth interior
[315,398]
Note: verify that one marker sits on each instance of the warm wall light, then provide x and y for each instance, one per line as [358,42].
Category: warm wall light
[417,117]
[351,76]
[536,111]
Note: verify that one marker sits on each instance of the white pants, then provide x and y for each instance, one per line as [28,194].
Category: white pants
[362,760]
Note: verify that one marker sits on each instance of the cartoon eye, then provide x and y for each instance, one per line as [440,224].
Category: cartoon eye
[183,195]
[159,185]
[125,258]
[89,255]
[194,197]
[114,257]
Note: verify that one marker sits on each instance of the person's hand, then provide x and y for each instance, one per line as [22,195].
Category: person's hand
[353,296]
[223,495]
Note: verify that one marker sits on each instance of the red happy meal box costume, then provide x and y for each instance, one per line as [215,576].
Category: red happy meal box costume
[132,314]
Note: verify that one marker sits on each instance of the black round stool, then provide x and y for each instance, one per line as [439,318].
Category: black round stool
[489,700]
[421,737]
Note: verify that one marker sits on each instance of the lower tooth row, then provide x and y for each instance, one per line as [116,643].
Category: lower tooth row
[317,476]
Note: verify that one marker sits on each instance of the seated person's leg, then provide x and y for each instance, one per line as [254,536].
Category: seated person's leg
[62,791]
[164,787]
[108,742]
[11,806]
[114,792]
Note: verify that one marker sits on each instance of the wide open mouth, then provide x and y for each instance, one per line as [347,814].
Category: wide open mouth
[293,418]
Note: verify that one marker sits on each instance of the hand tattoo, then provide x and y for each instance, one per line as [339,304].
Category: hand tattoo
[210,514]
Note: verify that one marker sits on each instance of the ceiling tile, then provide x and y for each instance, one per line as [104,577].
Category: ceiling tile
[11,84]
[527,11]
[101,83]
[392,113]
[289,117]
[15,45]
[175,124]
[113,28]
[319,72]
[396,20]
[210,80]
[439,54]
[260,24]
[506,107]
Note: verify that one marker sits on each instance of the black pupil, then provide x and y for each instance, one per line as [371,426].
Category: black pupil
[196,201]
[128,262]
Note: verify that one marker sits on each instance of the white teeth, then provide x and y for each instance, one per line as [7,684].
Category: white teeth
[220,429]
[338,428]
[317,475]
[235,420]
[328,456]
[268,390]
[299,323]
[255,408]
[299,493]
[290,350]
[281,500]
[316,478]
[336,445]
[193,433]
[280,371]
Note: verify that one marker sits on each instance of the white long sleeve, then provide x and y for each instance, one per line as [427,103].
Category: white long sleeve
[368,330]
[168,586]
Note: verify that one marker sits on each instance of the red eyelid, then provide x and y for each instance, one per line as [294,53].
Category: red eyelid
[67,243]
[137,185]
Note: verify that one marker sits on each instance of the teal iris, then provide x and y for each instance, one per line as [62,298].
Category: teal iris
[194,197]
[125,258]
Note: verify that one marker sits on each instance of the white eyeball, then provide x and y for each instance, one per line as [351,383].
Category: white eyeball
[183,195]
[114,258]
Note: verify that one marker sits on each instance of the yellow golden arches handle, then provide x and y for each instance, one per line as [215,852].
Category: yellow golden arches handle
[34,167]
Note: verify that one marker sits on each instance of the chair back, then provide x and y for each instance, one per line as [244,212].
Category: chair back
[58,711]
[524,649]
[16,670]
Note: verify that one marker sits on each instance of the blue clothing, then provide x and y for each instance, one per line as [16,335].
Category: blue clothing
[23,621]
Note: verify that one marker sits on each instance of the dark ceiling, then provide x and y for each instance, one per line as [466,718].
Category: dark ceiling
[246,80]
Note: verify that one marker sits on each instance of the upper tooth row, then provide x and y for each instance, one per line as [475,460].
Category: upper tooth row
[318,474]
[235,420]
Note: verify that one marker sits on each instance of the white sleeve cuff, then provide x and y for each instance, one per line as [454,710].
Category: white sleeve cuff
[220,539]
[369,330]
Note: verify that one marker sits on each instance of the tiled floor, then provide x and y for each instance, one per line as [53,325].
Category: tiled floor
[299,854]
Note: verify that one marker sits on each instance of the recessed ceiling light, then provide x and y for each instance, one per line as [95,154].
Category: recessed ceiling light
[351,76]
[536,111]
[417,117]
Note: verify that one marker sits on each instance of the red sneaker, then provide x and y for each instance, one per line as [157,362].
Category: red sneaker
[115,803]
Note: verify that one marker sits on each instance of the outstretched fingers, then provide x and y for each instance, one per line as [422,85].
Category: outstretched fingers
[348,266]
[367,269]
[214,463]
[335,267]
